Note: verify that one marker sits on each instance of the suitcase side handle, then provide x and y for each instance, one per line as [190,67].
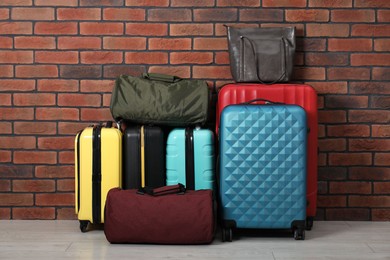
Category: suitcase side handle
[164,190]
[266,101]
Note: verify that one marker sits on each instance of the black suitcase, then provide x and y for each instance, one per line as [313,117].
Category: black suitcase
[143,157]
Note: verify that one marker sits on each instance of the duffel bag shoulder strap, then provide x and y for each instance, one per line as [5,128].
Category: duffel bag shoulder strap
[165,190]
[161,77]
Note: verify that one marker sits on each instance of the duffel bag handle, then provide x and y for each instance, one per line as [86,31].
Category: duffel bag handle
[161,77]
[266,101]
[165,190]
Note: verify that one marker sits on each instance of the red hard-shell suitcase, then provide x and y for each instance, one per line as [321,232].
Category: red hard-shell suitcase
[297,94]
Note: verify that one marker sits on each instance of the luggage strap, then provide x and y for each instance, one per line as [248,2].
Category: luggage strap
[161,191]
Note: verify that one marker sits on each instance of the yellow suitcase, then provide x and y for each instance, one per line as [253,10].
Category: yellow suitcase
[98,168]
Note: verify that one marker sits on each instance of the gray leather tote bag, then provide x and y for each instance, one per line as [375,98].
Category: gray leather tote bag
[264,55]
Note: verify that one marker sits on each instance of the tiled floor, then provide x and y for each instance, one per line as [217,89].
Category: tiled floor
[327,240]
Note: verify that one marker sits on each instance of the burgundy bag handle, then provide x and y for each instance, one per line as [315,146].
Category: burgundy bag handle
[165,190]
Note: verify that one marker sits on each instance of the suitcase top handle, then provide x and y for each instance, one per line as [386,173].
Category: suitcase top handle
[161,77]
[165,190]
[266,101]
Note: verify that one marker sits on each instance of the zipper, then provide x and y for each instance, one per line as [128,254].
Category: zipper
[78,169]
[96,174]
[189,151]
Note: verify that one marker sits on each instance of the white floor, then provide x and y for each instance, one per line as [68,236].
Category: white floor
[327,240]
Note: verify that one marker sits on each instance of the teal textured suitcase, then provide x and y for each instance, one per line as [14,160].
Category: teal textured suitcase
[190,158]
[263,168]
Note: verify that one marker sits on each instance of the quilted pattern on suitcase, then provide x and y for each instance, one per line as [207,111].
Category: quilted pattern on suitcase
[263,165]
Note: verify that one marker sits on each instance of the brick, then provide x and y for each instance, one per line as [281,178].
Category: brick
[16,113]
[18,142]
[169,44]
[382,187]
[222,58]
[382,102]
[57,57]
[5,213]
[57,114]
[36,99]
[16,171]
[220,28]
[34,42]
[260,15]
[15,28]
[55,28]
[369,87]
[35,157]
[58,85]
[96,85]
[332,173]
[380,130]
[369,173]
[350,159]
[330,3]
[371,3]
[124,43]
[78,14]
[77,43]
[308,73]
[12,199]
[101,2]
[5,185]
[215,14]
[35,213]
[369,145]
[348,214]
[102,57]
[65,185]
[47,171]
[332,116]
[31,13]
[180,71]
[348,187]
[16,57]
[210,44]
[33,186]
[79,100]
[212,72]
[382,44]
[54,199]
[383,16]
[35,128]
[370,30]
[36,71]
[345,16]
[355,44]
[381,74]
[365,59]
[169,15]
[96,114]
[310,44]
[241,3]
[124,14]
[380,215]
[330,30]
[4,14]
[323,59]
[5,99]
[6,71]
[330,87]
[146,58]
[56,3]
[101,28]
[346,101]
[149,2]
[191,57]
[113,71]
[183,3]
[307,15]
[106,100]
[350,130]
[348,73]
[331,201]
[284,3]
[67,157]
[369,201]
[66,214]
[6,42]
[147,29]
[370,116]
[5,128]
[80,71]
[331,145]
[70,128]
[382,159]
[191,29]
[5,156]
[16,3]
[55,143]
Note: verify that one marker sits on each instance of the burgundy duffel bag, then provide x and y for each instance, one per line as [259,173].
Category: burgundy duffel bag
[166,215]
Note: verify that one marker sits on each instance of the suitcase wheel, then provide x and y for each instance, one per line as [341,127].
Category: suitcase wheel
[84,225]
[227,235]
[299,234]
[309,223]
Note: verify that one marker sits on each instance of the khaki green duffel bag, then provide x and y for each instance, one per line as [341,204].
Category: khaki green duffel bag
[160,99]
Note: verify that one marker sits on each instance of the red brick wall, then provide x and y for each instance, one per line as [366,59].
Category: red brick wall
[58,60]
